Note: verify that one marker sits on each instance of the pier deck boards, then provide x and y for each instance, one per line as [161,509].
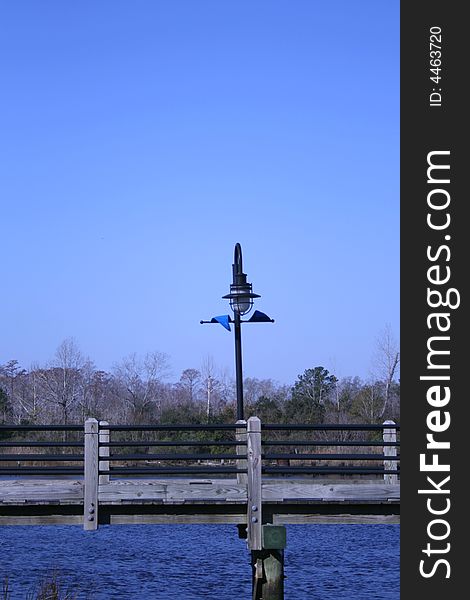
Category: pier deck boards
[60,501]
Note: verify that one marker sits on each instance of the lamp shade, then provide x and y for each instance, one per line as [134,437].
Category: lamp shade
[241,292]
[241,298]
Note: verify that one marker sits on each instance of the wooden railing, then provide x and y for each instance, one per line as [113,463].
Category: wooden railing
[250,452]
[283,453]
[258,476]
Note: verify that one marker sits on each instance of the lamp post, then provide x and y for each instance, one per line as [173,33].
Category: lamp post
[241,302]
[241,298]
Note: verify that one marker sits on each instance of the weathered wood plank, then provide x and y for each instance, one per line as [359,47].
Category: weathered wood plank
[254,508]
[41,520]
[63,490]
[390,435]
[324,491]
[90,504]
[177,491]
[203,519]
[162,519]
[346,519]
[20,491]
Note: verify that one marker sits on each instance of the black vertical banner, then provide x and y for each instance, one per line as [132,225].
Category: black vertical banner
[434,266]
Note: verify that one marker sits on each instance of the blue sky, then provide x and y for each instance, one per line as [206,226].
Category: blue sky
[141,140]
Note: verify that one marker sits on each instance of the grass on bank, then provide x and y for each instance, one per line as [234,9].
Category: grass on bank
[50,587]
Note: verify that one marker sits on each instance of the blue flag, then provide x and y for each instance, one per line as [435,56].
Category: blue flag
[259,317]
[224,320]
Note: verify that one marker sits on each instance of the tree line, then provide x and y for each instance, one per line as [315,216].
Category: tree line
[136,391]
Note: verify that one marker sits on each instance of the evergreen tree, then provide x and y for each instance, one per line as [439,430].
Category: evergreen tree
[309,395]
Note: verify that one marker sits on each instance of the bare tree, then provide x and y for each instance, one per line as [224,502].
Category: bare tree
[190,380]
[29,404]
[368,402]
[209,382]
[141,381]
[10,384]
[387,362]
[61,381]
[341,400]
[219,387]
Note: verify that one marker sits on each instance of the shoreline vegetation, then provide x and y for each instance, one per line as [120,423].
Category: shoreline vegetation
[50,587]
[136,391]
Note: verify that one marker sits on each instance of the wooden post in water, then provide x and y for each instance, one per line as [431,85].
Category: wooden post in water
[266,542]
[104,451]
[268,574]
[390,435]
[90,501]
[268,564]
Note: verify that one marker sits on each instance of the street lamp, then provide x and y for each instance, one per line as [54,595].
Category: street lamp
[241,302]
[241,292]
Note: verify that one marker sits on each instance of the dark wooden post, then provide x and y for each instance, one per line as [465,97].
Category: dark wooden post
[268,564]
[240,436]
[104,451]
[90,501]
[268,574]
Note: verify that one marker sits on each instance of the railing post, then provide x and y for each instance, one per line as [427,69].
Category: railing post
[104,451]
[254,508]
[90,501]
[240,436]
[390,435]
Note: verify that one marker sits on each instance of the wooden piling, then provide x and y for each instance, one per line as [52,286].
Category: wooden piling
[266,545]
[268,574]
[90,504]
[268,564]
[390,435]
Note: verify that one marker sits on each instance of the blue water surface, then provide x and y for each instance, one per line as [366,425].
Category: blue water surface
[191,562]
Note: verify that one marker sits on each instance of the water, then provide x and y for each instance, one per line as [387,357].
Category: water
[191,562]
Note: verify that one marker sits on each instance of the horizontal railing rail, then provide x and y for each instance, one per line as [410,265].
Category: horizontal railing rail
[329,471]
[41,471]
[185,427]
[302,456]
[289,442]
[126,455]
[42,457]
[202,457]
[307,456]
[169,443]
[176,470]
[41,428]
[248,452]
[35,444]
[327,427]
[64,452]
[167,456]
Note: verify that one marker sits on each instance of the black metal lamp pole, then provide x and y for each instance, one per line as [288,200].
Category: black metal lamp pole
[241,301]
[238,366]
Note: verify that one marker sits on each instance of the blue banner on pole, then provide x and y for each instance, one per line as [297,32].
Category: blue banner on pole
[259,317]
[224,320]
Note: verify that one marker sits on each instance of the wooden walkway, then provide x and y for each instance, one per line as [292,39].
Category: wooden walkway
[58,501]
[258,484]
[266,487]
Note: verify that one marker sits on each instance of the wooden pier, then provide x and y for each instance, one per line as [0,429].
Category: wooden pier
[256,489]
